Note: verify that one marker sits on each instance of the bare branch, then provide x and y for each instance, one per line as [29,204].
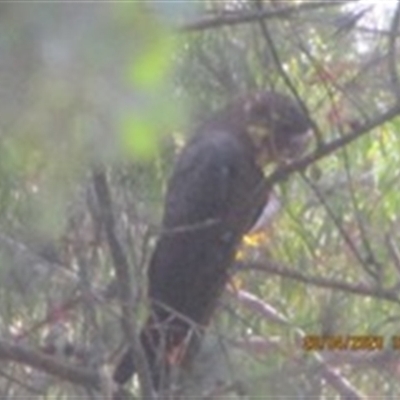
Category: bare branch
[282,173]
[272,267]
[286,79]
[251,16]
[332,377]
[350,244]
[392,56]
[70,372]
[261,307]
[121,267]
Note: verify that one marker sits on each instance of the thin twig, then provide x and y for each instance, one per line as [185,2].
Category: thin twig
[338,225]
[370,258]
[393,252]
[332,377]
[286,79]
[392,56]
[272,267]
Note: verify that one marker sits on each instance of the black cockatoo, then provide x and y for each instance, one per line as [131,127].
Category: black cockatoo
[215,195]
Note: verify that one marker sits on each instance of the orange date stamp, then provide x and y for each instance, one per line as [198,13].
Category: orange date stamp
[345,342]
[396,342]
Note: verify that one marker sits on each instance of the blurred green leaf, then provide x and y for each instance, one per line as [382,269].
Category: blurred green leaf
[139,136]
[151,67]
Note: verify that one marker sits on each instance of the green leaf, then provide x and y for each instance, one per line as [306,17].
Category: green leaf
[139,136]
[151,67]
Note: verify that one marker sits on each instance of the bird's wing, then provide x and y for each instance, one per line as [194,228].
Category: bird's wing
[200,190]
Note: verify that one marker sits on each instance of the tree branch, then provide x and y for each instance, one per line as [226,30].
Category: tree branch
[251,16]
[272,267]
[332,377]
[392,55]
[336,221]
[286,79]
[282,173]
[70,372]
[121,267]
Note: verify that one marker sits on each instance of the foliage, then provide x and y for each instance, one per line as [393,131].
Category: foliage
[117,86]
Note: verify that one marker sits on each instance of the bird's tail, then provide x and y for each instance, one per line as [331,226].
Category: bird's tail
[161,351]
[127,367]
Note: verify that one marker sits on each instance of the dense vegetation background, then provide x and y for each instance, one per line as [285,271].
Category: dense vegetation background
[89,91]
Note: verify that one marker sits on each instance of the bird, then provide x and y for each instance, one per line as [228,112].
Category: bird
[215,195]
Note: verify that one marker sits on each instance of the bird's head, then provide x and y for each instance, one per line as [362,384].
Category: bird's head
[277,126]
